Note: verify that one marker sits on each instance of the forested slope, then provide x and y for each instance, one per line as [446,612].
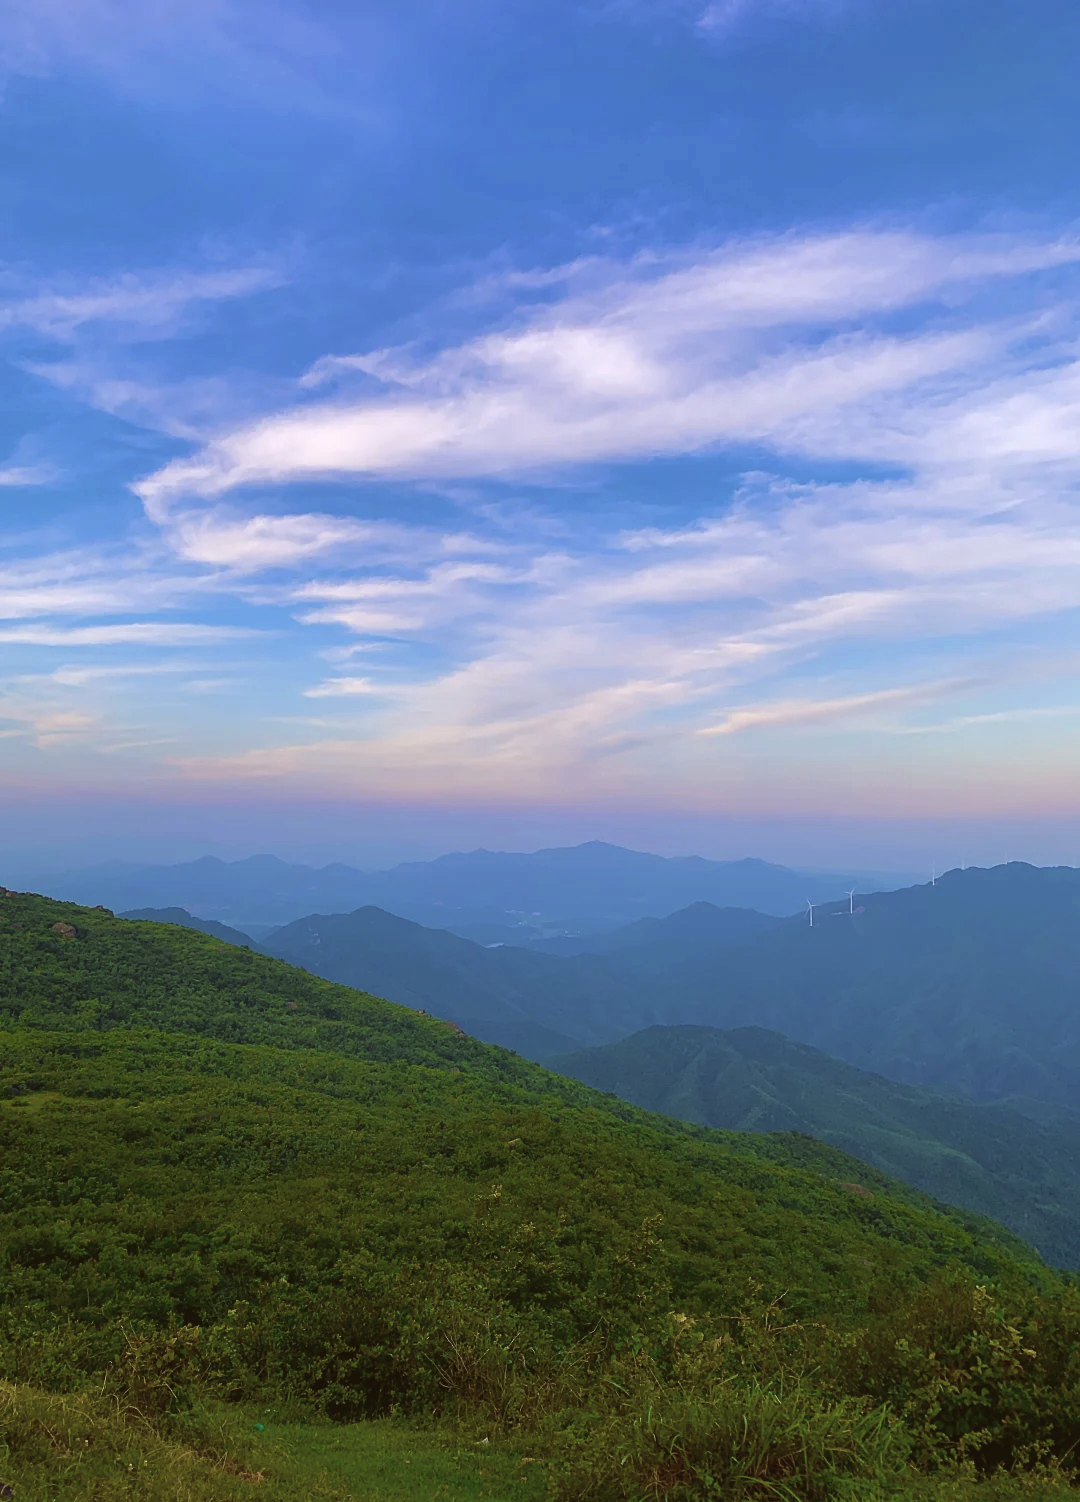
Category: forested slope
[221,1178]
[988,1156]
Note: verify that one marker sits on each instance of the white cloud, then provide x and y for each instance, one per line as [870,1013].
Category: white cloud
[998,717]
[83,677]
[147,303]
[54,729]
[720,18]
[134,633]
[17,475]
[769,343]
[617,660]
[336,688]
[535,651]
[813,711]
[254,543]
[94,581]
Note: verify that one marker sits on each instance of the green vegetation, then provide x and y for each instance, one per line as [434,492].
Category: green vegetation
[82,1447]
[227,1186]
[985,1155]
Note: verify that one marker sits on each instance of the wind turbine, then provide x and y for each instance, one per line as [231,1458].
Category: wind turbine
[851,901]
[810,910]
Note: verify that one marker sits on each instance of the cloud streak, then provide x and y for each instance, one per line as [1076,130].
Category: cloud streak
[766,343]
[131,634]
[143,304]
[816,711]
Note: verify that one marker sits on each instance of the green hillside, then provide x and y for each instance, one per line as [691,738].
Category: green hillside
[987,1156]
[226,1181]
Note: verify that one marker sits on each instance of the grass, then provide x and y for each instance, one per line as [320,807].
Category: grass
[384,1462]
[83,1448]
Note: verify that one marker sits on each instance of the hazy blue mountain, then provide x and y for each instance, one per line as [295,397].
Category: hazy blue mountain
[984,1156]
[535,1003]
[260,889]
[971,986]
[185,920]
[586,888]
[700,921]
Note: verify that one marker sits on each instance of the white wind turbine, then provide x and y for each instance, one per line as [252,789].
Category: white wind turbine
[851,901]
[810,910]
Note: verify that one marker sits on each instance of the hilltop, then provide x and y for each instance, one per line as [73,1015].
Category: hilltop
[538,1004]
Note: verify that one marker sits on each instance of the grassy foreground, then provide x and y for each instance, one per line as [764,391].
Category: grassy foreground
[79,1448]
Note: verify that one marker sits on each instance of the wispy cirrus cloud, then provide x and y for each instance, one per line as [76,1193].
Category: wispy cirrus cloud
[251,544]
[15,476]
[718,20]
[281,58]
[785,712]
[131,633]
[530,647]
[141,304]
[721,18]
[766,343]
[342,688]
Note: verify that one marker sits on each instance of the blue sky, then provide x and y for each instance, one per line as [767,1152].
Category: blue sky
[434,424]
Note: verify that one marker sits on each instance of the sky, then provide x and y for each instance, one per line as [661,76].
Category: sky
[426,425]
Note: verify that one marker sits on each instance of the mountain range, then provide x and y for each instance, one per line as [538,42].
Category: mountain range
[276,1188]
[489,896]
[535,1003]
[970,986]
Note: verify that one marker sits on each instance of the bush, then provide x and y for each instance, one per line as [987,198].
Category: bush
[737,1441]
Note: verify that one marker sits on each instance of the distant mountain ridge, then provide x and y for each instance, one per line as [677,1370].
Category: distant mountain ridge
[699,921]
[989,1157]
[184,919]
[537,1004]
[580,889]
[970,986]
